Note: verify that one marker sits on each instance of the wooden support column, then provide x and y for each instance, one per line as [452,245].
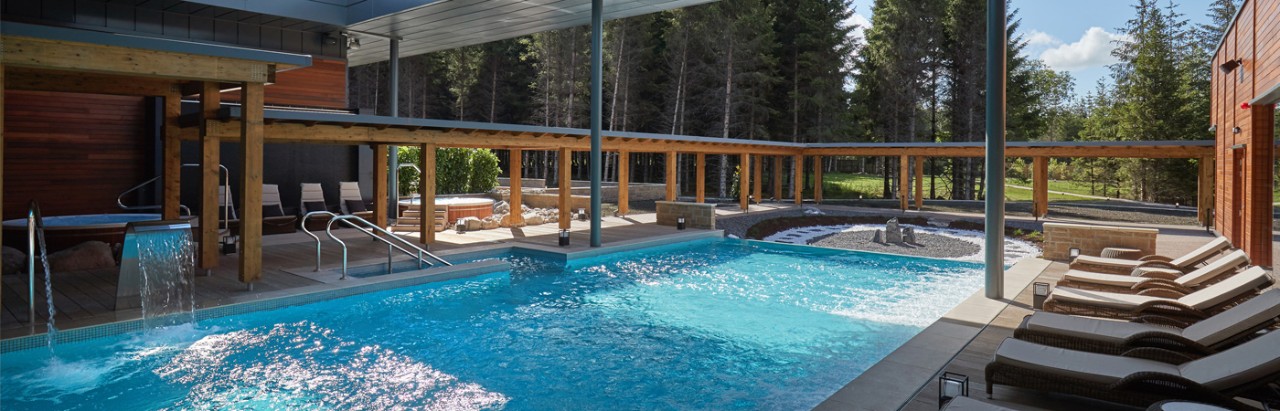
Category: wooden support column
[817,179]
[700,178]
[172,152]
[904,181]
[672,187]
[1204,197]
[1040,187]
[2,142]
[566,189]
[777,178]
[251,145]
[919,183]
[427,187]
[797,165]
[210,158]
[380,207]
[624,182]
[515,166]
[757,177]
[744,180]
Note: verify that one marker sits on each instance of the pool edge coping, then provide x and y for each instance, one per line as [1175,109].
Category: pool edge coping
[892,382]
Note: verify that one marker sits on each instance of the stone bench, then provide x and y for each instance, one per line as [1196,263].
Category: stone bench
[696,215]
[1060,238]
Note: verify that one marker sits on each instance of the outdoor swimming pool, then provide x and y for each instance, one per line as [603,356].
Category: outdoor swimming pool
[710,324]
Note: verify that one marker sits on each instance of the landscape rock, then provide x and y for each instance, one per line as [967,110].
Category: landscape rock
[533,219]
[88,255]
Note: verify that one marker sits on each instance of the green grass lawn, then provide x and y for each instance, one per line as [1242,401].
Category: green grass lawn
[850,185]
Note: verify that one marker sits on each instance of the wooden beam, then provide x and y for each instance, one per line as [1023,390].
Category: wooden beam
[1040,187]
[757,177]
[210,159]
[672,186]
[700,178]
[380,192]
[797,165]
[71,82]
[41,53]
[624,183]
[919,183]
[172,152]
[777,178]
[904,181]
[1205,191]
[817,179]
[1136,151]
[427,188]
[566,187]
[744,180]
[251,99]
[515,172]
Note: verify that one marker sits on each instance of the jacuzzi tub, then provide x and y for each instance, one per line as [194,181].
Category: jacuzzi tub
[458,207]
[64,231]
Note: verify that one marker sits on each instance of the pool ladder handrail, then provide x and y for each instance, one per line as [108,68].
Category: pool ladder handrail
[372,230]
[35,222]
[222,179]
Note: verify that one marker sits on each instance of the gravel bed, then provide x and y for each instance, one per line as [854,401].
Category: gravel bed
[927,245]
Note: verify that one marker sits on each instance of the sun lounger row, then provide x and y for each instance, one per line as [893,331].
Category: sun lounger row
[1199,336]
[276,220]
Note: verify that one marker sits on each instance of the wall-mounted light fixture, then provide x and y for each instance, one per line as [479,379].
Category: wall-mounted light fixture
[1235,130]
[1230,65]
[1213,128]
[353,42]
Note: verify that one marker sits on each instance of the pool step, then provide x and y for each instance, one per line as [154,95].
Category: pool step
[410,220]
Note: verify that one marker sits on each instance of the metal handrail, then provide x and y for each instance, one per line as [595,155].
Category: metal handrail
[35,221]
[372,231]
[222,178]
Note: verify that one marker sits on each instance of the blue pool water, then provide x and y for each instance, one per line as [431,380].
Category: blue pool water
[716,324]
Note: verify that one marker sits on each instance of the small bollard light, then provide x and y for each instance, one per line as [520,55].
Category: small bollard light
[460,226]
[1039,293]
[582,214]
[950,386]
[680,223]
[228,245]
[1073,253]
[564,238]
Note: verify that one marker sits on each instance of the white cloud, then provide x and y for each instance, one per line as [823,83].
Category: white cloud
[1093,50]
[1039,38]
[859,24]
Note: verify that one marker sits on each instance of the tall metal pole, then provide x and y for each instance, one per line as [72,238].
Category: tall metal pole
[393,163]
[597,67]
[997,44]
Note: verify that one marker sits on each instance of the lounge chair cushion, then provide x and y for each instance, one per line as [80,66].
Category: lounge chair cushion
[272,210]
[1237,366]
[313,206]
[1209,272]
[1117,280]
[1099,368]
[1097,329]
[1246,316]
[1227,289]
[355,206]
[1202,253]
[1101,298]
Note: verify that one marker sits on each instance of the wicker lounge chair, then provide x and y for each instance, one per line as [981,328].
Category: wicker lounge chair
[1194,306]
[350,197]
[1172,344]
[1150,282]
[1215,379]
[1122,266]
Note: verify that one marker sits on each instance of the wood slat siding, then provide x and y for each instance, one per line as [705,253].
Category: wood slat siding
[1255,38]
[322,85]
[73,152]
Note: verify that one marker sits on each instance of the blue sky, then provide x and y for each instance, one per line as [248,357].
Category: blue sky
[1073,35]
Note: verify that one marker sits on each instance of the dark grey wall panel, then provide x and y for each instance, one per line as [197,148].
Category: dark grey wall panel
[286,165]
[92,13]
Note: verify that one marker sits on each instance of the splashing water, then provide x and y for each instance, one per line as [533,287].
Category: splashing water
[166,264]
[52,332]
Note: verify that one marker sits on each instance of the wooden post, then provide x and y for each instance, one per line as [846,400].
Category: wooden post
[757,174]
[251,137]
[744,180]
[919,183]
[427,187]
[904,181]
[2,141]
[380,193]
[817,179]
[777,178]
[566,189]
[1040,186]
[210,159]
[672,187]
[624,182]
[515,167]
[797,165]
[1204,198]
[700,179]
[172,151]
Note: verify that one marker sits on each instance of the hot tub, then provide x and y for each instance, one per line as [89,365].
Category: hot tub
[64,231]
[458,207]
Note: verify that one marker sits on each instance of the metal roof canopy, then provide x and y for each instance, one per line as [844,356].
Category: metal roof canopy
[287,60]
[425,26]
